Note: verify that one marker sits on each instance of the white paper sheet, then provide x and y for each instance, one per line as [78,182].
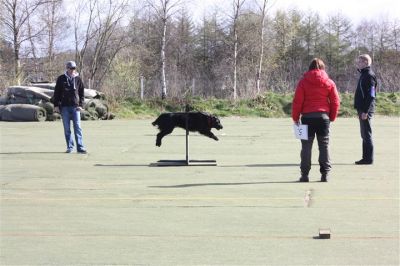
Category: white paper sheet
[300,131]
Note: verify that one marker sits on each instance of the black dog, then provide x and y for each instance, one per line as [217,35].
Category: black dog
[197,121]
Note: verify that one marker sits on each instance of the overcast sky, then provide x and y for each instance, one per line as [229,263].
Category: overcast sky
[356,10]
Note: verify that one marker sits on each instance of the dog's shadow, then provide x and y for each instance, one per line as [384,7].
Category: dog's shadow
[228,184]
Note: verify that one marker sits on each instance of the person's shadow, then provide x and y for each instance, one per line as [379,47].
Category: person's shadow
[278,165]
[263,165]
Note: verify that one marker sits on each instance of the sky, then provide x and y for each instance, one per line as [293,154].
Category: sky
[355,10]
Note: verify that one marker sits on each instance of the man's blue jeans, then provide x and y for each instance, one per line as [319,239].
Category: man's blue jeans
[69,113]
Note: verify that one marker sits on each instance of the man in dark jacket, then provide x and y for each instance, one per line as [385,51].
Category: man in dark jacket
[68,98]
[364,102]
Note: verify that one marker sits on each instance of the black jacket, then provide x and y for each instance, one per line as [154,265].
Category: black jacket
[69,92]
[365,95]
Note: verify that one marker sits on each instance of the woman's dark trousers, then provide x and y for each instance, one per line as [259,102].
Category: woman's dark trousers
[317,126]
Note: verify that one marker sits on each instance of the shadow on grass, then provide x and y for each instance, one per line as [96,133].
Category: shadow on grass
[32,152]
[278,165]
[264,165]
[230,184]
[121,165]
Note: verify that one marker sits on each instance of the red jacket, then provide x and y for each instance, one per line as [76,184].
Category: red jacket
[315,93]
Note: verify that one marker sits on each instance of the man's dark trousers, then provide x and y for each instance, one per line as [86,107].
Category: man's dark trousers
[366,135]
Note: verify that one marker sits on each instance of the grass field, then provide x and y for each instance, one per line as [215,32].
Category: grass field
[110,208]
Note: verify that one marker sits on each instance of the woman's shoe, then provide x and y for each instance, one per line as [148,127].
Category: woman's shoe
[303,179]
[362,161]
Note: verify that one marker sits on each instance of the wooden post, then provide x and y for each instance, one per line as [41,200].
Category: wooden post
[141,87]
[193,86]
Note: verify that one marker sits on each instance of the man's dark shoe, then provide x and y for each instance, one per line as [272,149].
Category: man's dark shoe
[324,178]
[362,161]
[82,151]
[303,179]
[68,151]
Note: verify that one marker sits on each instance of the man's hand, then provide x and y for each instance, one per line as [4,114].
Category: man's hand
[57,109]
[79,109]
[364,116]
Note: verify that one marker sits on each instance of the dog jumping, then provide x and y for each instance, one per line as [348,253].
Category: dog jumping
[197,122]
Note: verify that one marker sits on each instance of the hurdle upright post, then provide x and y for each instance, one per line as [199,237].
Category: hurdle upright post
[187,133]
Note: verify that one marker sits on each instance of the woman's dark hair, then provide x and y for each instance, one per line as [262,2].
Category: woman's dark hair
[317,63]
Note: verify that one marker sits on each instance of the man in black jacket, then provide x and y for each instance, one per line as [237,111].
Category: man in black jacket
[364,102]
[68,98]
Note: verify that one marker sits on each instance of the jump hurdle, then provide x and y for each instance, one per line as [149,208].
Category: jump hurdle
[187,161]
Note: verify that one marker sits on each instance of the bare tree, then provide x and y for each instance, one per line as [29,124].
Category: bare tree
[237,5]
[109,37]
[55,24]
[164,9]
[102,39]
[6,52]
[310,32]
[82,39]
[30,25]
[263,10]
[396,35]
[15,19]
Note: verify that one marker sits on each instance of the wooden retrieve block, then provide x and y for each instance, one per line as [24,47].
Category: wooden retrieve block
[324,233]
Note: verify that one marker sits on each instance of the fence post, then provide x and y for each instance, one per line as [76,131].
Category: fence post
[141,87]
[193,86]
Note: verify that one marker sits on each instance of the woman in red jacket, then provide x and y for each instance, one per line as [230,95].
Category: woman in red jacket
[317,101]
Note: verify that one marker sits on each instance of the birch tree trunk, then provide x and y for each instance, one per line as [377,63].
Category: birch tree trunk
[17,67]
[235,44]
[258,76]
[164,10]
[163,40]
[236,10]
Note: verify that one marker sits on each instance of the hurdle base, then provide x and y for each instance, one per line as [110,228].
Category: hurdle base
[185,163]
